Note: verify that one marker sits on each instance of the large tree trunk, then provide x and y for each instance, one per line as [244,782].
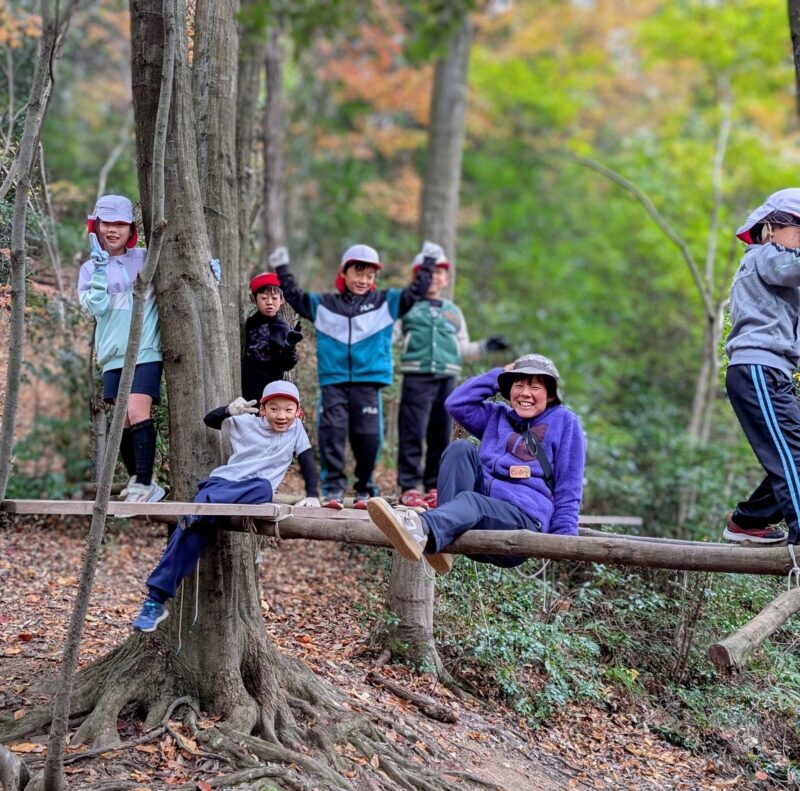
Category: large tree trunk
[214,91]
[411,586]
[252,50]
[442,177]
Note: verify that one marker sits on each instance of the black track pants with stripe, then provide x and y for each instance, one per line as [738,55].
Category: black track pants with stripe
[765,402]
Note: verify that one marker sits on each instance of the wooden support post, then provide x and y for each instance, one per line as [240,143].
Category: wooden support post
[731,654]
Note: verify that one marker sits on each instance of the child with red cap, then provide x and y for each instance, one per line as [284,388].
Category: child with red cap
[105,289]
[264,441]
[354,359]
[763,348]
[270,344]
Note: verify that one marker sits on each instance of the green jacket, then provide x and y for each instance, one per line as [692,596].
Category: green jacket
[435,339]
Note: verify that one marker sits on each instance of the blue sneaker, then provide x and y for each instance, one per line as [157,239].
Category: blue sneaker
[150,616]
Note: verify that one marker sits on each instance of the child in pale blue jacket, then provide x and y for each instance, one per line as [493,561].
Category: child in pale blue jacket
[105,288]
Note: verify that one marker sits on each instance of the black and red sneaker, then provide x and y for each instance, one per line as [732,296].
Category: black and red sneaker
[753,535]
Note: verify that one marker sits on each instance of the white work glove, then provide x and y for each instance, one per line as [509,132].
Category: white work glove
[278,257]
[98,255]
[308,502]
[239,407]
[433,251]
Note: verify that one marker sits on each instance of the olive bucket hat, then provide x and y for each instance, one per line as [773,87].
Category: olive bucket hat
[529,365]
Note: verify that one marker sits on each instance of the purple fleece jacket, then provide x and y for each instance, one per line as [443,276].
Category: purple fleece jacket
[557,429]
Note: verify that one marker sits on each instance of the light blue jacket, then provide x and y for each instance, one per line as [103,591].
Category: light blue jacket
[106,292]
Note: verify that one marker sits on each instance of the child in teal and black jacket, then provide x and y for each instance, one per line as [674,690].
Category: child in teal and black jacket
[354,359]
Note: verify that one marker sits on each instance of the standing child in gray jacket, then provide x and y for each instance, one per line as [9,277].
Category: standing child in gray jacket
[105,288]
[764,351]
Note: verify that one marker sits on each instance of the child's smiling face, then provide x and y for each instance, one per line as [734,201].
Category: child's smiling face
[279,412]
[360,278]
[114,236]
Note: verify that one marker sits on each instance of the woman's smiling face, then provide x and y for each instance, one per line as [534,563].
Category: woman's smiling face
[528,396]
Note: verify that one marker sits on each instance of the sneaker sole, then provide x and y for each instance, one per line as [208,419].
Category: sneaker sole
[160,618]
[387,522]
[740,538]
[334,506]
[441,562]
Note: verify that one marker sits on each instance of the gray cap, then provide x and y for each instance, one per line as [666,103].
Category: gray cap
[113,208]
[528,365]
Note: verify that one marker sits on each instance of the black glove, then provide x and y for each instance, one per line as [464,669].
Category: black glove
[294,336]
[497,343]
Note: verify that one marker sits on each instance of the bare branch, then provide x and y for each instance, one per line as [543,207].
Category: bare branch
[655,215]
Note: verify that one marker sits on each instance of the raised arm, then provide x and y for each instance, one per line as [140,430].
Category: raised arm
[468,403]
[777,265]
[299,300]
[239,406]
[93,289]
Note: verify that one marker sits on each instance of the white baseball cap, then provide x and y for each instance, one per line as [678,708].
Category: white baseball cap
[113,208]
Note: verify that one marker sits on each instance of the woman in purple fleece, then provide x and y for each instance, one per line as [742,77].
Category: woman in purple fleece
[527,473]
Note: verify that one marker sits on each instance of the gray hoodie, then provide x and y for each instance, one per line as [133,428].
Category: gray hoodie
[765,309]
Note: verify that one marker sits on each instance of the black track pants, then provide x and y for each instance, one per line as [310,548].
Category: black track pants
[353,412]
[422,419]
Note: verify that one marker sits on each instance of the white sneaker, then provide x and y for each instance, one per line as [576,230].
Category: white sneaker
[139,493]
[124,491]
[407,532]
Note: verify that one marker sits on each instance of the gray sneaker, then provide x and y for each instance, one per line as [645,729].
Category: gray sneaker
[124,491]
[139,493]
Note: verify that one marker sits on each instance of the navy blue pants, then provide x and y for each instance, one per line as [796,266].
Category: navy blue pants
[422,420]
[187,543]
[464,505]
[765,402]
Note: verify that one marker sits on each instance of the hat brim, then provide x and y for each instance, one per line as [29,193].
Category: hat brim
[269,397]
[507,378]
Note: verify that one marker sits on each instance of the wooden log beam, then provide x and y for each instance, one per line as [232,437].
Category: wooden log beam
[355,527]
[123,509]
[731,654]
[688,556]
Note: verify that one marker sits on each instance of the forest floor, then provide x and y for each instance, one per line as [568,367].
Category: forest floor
[320,601]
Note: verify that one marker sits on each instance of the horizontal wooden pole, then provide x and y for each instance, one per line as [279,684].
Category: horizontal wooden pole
[731,654]
[120,508]
[171,508]
[354,527]
[610,549]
